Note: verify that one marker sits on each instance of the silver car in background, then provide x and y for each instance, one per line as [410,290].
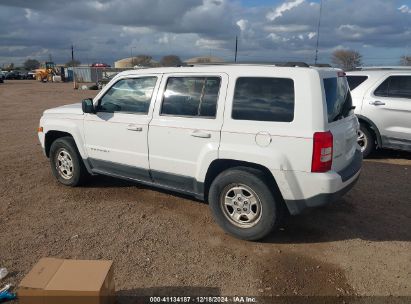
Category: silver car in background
[382,97]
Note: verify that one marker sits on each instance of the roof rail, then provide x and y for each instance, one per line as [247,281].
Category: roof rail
[322,65]
[280,64]
[296,64]
[401,67]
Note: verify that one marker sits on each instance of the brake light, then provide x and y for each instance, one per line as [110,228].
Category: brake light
[341,74]
[322,152]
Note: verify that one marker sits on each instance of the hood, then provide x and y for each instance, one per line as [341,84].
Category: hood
[74,108]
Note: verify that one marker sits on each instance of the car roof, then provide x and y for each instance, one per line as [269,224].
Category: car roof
[221,68]
[379,72]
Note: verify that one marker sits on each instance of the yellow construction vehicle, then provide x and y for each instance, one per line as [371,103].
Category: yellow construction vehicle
[46,71]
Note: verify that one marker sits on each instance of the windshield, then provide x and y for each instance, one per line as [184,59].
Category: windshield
[338,97]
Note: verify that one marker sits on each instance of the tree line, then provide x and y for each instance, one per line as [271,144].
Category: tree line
[348,60]
[345,59]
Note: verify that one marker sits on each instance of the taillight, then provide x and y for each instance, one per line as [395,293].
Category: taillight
[322,152]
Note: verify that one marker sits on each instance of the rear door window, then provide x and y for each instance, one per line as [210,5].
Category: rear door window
[338,98]
[395,86]
[191,96]
[264,99]
[355,81]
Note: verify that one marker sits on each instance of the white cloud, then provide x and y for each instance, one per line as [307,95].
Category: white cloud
[209,43]
[30,14]
[274,37]
[137,30]
[164,39]
[355,31]
[311,35]
[405,9]
[99,6]
[286,6]
[289,28]
[242,24]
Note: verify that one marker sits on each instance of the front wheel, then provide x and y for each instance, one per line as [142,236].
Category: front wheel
[243,204]
[66,163]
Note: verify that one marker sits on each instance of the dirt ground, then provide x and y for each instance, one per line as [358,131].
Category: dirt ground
[164,243]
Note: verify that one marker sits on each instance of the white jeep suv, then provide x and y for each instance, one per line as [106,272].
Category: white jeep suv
[382,97]
[254,141]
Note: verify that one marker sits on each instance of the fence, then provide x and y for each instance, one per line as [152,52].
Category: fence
[90,74]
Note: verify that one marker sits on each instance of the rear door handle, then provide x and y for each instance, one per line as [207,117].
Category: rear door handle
[377,103]
[200,134]
[134,128]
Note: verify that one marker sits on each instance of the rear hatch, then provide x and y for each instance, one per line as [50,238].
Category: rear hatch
[342,122]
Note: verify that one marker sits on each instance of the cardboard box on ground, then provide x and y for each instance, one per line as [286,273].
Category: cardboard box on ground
[62,281]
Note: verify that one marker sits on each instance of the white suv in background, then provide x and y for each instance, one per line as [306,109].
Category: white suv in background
[382,96]
[254,141]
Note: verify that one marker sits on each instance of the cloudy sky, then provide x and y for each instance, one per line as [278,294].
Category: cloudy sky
[276,30]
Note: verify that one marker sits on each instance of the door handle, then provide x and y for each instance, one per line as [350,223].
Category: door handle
[200,134]
[134,128]
[377,103]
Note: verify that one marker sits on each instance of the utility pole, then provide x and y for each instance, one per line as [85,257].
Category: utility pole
[318,32]
[72,66]
[72,54]
[236,48]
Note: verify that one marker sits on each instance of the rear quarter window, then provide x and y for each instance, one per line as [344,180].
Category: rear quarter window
[338,98]
[355,81]
[264,99]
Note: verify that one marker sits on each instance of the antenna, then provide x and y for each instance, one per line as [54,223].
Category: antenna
[318,32]
[236,48]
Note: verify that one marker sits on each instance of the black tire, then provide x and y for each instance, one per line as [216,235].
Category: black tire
[75,176]
[270,211]
[369,145]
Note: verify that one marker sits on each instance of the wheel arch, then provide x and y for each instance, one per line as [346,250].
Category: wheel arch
[373,128]
[219,165]
[52,136]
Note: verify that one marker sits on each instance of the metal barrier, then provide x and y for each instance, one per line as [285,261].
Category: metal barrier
[90,74]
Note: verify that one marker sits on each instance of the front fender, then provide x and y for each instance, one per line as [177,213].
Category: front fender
[73,126]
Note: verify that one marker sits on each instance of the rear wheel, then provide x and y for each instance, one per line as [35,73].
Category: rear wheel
[366,140]
[66,163]
[243,204]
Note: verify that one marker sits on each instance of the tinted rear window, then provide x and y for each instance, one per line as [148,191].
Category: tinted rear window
[264,99]
[338,97]
[355,81]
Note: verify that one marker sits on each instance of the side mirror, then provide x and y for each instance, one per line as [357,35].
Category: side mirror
[87,106]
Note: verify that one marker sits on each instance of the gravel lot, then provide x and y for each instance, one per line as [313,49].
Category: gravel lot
[164,243]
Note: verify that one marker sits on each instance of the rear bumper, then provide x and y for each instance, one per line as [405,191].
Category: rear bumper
[329,186]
